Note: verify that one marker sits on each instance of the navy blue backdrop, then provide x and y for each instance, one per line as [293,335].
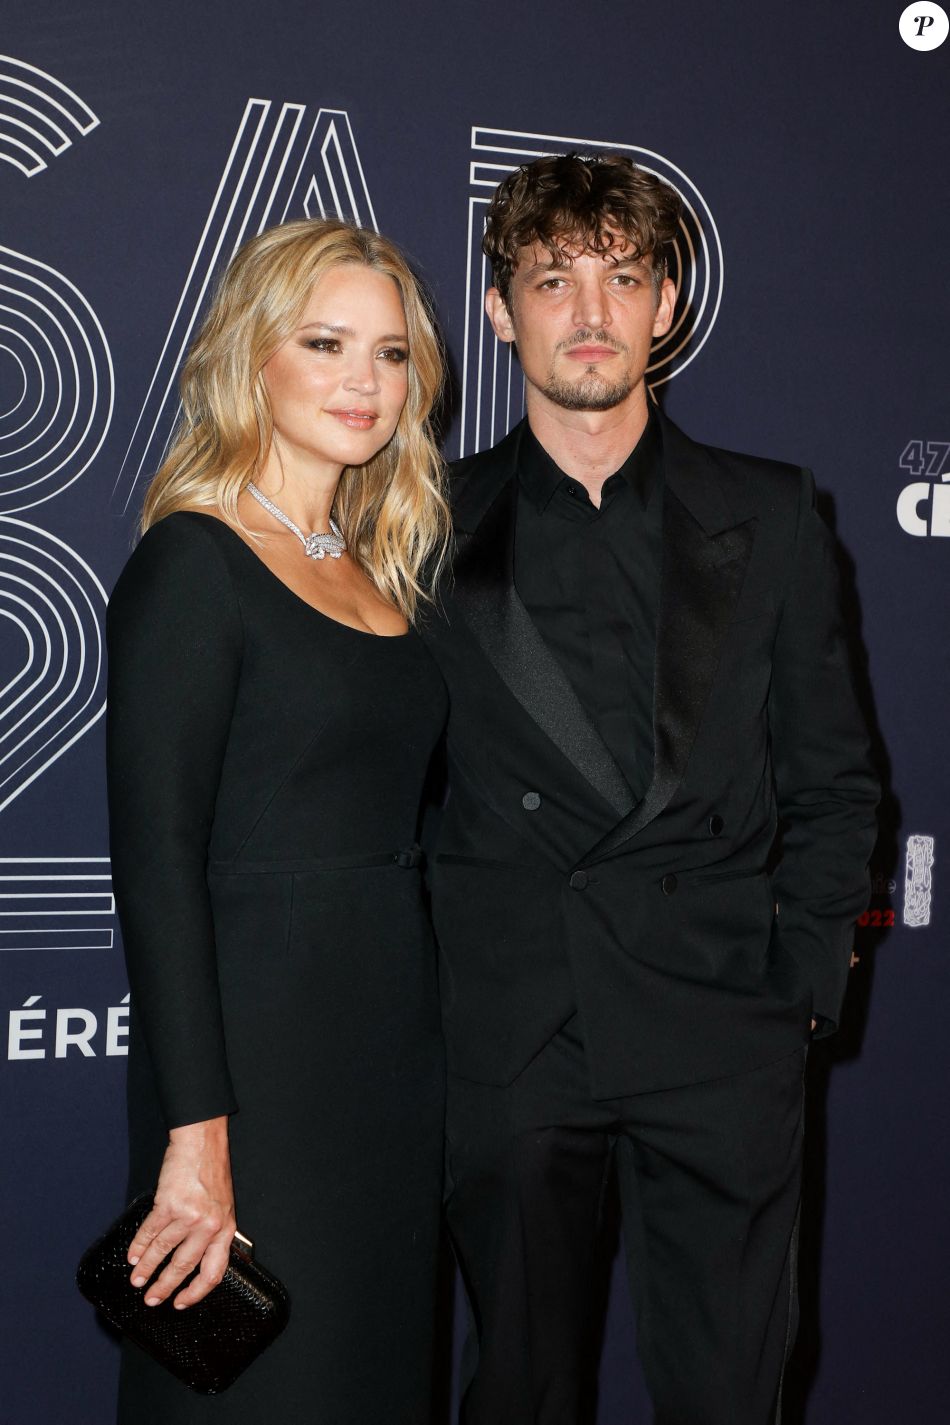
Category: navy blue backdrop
[138,145]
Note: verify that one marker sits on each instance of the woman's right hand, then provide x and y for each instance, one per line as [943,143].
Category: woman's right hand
[193,1216]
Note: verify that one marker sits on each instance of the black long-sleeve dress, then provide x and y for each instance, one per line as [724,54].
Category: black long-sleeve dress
[265,772]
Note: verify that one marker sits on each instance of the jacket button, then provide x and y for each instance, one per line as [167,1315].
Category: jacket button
[578,880]
[668,885]
[530,801]
[716,825]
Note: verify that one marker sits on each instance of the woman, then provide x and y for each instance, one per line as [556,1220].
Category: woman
[271,717]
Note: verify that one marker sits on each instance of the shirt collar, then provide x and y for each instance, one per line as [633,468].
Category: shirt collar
[540,477]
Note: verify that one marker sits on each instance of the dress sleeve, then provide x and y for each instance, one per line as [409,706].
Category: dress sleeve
[175,640]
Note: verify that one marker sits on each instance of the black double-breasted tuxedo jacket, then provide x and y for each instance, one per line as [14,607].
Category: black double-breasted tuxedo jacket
[555,891]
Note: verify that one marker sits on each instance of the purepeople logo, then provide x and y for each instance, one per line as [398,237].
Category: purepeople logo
[924,26]
[923,506]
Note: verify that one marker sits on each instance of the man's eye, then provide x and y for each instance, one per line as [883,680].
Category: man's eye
[552,282]
[623,279]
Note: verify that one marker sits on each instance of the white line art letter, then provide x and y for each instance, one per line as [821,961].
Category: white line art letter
[287,161]
[56,902]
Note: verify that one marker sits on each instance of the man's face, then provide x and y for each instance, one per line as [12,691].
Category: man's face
[583,326]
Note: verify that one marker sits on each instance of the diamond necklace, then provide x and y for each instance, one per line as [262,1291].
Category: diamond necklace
[315,546]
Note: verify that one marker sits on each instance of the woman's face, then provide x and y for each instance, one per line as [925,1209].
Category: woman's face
[338,384]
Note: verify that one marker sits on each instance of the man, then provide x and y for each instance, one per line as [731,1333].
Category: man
[647,673]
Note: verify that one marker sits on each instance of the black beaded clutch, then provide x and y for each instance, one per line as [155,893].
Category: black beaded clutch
[210,1344]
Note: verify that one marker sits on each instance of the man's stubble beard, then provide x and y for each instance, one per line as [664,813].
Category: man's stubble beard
[592,392]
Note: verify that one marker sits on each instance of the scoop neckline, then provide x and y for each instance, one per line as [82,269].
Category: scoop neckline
[292,593]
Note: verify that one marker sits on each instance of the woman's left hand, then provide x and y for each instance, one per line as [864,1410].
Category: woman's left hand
[193,1216]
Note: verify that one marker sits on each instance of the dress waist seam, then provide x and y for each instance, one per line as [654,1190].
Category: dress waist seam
[407,859]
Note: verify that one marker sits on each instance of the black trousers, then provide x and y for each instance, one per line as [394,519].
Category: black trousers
[709,1179]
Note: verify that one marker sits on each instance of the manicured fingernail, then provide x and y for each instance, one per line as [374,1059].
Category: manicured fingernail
[180,1305]
[152,1300]
[133,1261]
[139,1281]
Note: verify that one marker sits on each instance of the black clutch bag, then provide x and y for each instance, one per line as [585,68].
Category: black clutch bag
[210,1344]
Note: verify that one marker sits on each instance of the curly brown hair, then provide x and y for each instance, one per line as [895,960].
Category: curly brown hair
[580,202]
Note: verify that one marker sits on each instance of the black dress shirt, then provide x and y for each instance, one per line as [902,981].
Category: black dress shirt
[590,580]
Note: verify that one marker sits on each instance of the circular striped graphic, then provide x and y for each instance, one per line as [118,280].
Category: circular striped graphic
[52,610]
[58,386]
[696,267]
[39,116]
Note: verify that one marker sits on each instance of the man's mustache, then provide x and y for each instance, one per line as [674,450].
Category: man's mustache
[588,337]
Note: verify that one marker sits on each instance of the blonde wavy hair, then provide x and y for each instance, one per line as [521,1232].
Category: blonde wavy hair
[392,510]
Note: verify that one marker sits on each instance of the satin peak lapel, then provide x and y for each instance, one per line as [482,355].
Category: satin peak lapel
[485,592]
[700,584]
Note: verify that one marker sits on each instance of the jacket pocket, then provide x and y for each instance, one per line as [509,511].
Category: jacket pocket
[708,878]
